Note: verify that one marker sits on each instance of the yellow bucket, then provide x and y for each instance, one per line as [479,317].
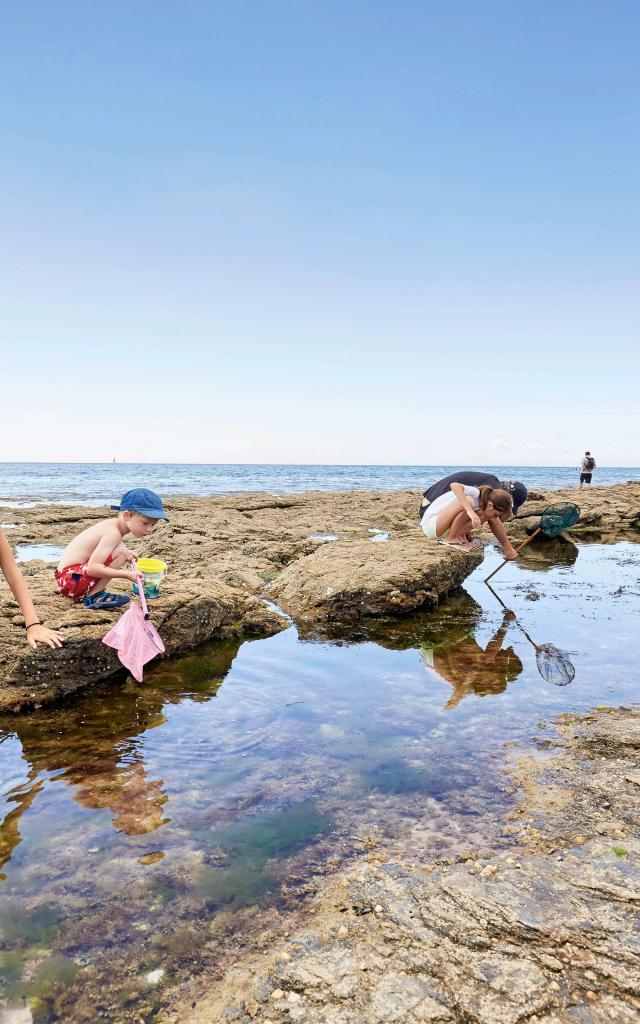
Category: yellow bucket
[152,570]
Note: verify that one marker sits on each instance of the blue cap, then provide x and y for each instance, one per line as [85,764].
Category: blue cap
[141,500]
[518,492]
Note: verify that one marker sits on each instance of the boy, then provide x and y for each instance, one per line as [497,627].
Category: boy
[97,554]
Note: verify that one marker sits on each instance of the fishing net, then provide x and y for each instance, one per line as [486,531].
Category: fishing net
[559,517]
[554,665]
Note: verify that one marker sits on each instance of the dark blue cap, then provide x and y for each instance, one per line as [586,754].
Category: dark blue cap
[518,492]
[141,500]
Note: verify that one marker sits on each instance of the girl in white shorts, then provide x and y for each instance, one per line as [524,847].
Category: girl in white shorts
[452,516]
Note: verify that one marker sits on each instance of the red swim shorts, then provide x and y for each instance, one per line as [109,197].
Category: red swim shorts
[74,580]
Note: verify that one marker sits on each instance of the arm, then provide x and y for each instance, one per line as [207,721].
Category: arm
[497,528]
[495,644]
[36,632]
[107,544]
[467,504]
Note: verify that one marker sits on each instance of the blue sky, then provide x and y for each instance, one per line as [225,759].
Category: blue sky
[320,232]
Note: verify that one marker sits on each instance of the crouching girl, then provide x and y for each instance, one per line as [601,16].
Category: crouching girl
[452,517]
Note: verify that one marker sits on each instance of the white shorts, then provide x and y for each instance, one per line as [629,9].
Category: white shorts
[428,524]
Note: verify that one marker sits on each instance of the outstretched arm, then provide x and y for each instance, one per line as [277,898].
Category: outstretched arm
[36,632]
[497,528]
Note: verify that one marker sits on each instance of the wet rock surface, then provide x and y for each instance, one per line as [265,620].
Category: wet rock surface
[354,580]
[225,554]
[607,514]
[545,931]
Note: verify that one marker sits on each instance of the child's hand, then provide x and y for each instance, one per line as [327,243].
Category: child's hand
[131,555]
[475,521]
[39,634]
[131,576]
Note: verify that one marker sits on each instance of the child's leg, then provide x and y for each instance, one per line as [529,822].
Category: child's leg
[455,520]
[117,561]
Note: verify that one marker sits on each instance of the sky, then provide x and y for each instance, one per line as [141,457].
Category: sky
[339,231]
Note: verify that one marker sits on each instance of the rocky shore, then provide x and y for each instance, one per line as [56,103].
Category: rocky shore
[321,557]
[543,928]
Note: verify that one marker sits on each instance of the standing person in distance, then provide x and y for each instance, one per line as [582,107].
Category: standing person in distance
[587,467]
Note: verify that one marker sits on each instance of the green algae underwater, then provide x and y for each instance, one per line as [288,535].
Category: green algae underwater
[153,831]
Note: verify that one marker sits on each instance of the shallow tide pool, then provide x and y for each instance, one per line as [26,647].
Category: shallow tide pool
[148,831]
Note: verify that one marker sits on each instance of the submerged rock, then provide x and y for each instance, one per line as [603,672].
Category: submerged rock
[546,930]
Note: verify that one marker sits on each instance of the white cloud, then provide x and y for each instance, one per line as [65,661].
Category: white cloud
[499,442]
[536,447]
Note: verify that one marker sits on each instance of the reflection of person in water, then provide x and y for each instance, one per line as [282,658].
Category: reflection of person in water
[470,669]
[93,744]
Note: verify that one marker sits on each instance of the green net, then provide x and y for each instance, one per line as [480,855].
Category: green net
[557,518]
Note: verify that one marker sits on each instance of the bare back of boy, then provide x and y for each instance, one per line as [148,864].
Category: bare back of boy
[101,549]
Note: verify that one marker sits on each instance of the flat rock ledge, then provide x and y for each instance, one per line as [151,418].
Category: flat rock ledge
[545,932]
[349,581]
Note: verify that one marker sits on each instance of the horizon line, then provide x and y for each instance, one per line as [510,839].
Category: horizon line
[407,465]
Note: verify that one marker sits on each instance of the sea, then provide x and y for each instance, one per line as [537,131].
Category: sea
[88,483]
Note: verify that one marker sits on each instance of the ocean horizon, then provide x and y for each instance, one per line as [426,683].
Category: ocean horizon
[100,483]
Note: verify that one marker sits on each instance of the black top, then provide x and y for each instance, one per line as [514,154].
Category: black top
[470,477]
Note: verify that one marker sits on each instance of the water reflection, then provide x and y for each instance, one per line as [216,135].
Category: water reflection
[94,744]
[546,553]
[470,668]
[447,641]
[555,666]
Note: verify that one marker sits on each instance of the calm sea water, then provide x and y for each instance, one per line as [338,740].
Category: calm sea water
[97,483]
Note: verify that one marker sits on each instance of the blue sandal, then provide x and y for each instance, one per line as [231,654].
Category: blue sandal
[103,600]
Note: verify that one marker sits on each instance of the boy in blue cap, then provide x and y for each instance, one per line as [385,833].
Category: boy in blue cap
[98,554]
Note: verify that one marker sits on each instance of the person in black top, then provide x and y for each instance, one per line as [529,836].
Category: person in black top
[476,478]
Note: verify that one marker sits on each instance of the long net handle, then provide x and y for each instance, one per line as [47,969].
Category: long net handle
[518,550]
[521,628]
[143,600]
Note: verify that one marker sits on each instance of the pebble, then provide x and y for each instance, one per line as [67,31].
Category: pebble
[551,962]
[343,931]
[377,909]
[294,997]
[277,994]
[153,977]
